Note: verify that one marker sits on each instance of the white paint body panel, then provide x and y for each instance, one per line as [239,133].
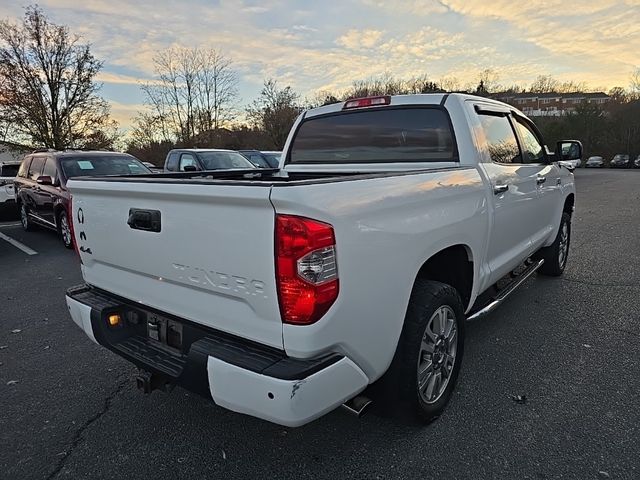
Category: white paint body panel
[386,226]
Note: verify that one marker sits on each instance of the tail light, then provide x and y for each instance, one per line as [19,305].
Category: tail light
[367,102]
[306,269]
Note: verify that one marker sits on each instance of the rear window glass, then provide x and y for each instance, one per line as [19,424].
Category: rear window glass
[102,165]
[384,135]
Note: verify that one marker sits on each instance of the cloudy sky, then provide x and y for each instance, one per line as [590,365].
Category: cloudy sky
[326,44]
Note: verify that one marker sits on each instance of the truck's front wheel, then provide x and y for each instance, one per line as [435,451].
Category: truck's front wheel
[429,352]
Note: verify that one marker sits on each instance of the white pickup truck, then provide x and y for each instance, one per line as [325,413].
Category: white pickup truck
[285,293]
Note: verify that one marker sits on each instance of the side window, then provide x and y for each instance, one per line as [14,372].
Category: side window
[172,162]
[50,169]
[501,139]
[24,167]
[35,170]
[531,146]
[186,159]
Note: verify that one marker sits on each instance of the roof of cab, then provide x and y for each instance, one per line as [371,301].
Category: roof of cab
[413,99]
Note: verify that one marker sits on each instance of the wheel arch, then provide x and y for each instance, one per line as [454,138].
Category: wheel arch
[453,265]
[569,204]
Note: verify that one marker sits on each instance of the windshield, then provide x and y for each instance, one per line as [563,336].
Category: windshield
[218,160]
[102,165]
[9,170]
[389,135]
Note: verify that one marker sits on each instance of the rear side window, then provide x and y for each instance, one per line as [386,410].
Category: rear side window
[172,162]
[376,136]
[35,170]
[24,167]
[501,139]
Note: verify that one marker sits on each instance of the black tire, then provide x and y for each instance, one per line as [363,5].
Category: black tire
[64,229]
[25,220]
[554,263]
[399,387]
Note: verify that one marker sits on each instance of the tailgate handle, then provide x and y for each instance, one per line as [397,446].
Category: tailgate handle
[147,220]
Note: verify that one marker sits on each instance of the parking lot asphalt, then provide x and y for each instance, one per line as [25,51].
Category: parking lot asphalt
[69,408]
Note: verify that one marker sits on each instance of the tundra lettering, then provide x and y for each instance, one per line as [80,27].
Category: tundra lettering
[214,279]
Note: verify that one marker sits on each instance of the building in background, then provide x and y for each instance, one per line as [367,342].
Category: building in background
[551,104]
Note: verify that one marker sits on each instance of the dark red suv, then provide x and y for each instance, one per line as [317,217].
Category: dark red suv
[41,184]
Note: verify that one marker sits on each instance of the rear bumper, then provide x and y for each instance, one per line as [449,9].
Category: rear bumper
[237,374]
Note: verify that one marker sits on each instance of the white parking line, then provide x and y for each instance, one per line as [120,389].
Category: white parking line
[19,245]
[10,225]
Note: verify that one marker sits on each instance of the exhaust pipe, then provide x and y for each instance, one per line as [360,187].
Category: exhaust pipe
[358,405]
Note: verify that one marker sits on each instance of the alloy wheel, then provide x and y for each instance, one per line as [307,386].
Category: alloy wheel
[437,356]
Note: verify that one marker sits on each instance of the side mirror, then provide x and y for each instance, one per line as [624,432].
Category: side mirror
[568,150]
[44,180]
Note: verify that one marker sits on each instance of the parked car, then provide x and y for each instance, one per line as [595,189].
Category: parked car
[8,172]
[273,157]
[256,157]
[620,160]
[594,162]
[388,226]
[194,159]
[41,184]
[636,162]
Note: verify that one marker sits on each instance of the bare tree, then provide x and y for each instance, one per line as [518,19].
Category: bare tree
[48,93]
[544,84]
[195,91]
[275,111]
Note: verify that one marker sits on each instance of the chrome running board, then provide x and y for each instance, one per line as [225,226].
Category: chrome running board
[506,291]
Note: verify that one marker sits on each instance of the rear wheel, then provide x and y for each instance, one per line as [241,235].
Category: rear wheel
[64,229]
[555,255]
[425,368]
[27,224]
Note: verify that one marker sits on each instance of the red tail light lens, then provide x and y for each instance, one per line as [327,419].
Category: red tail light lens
[367,102]
[306,269]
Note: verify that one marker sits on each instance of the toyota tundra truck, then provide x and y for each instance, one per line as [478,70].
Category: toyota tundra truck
[351,268]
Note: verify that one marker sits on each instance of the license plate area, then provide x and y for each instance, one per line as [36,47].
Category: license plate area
[164,331]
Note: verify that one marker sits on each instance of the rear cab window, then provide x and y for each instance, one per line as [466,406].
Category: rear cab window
[380,135]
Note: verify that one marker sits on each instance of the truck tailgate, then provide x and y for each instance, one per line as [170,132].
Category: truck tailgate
[211,262]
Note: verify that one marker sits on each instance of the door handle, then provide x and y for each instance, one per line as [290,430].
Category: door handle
[540,180]
[147,220]
[498,189]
